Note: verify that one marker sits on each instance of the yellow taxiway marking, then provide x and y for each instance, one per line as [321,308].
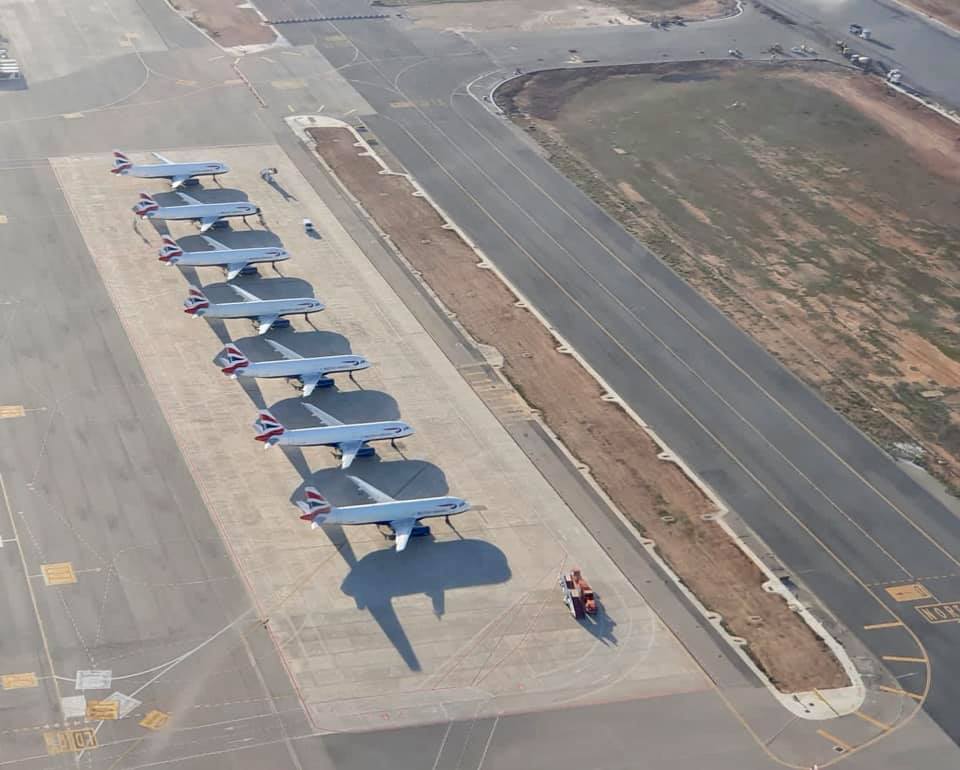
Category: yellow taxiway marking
[186,82]
[910,592]
[878,626]
[18,681]
[875,722]
[903,659]
[835,740]
[943,612]
[154,720]
[897,691]
[69,741]
[3,219]
[102,709]
[12,410]
[58,574]
[233,82]
[401,105]
[72,115]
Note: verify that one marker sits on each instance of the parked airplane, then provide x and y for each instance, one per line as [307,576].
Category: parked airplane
[264,311]
[233,261]
[310,371]
[401,515]
[177,173]
[349,440]
[207,214]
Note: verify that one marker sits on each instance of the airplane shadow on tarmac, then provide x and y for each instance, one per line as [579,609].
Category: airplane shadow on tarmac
[427,566]
[203,194]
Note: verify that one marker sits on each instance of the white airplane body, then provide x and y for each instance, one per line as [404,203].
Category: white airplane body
[207,214]
[233,261]
[177,173]
[310,371]
[264,311]
[350,440]
[401,515]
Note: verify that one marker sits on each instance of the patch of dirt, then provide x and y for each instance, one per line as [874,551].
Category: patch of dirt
[227,21]
[664,504]
[816,207]
[947,11]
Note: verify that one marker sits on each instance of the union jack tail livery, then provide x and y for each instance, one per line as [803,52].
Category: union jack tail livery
[121,163]
[269,429]
[169,251]
[314,506]
[235,359]
[196,303]
[145,205]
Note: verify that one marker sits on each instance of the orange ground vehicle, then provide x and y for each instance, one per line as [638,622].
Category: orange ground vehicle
[577,594]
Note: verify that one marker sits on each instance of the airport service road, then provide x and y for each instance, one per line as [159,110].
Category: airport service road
[110,561]
[831,505]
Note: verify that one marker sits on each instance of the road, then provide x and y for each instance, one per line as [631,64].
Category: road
[832,506]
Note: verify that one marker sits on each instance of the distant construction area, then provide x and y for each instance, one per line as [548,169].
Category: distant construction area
[946,11]
[816,207]
[662,502]
[228,22]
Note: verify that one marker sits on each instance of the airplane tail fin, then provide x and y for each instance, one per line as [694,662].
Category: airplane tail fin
[169,251]
[145,204]
[121,163]
[268,428]
[196,302]
[315,507]
[235,360]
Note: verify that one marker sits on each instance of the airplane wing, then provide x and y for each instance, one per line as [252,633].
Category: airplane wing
[402,528]
[190,201]
[266,321]
[217,246]
[348,452]
[323,417]
[371,491]
[309,382]
[234,268]
[207,222]
[287,353]
[246,295]
[159,157]
[177,181]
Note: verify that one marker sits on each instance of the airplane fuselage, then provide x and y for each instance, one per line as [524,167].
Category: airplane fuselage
[397,510]
[173,170]
[263,307]
[221,257]
[296,367]
[203,211]
[334,435]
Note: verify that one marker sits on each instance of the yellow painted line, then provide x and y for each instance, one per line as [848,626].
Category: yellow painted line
[875,722]
[3,219]
[18,681]
[72,115]
[154,720]
[186,82]
[903,659]
[69,741]
[290,107]
[877,626]
[911,592]
[12,410]
[401,105]
[58,574]
[897,691]
[835,740]
[102,709]
[233,82]
[290,84]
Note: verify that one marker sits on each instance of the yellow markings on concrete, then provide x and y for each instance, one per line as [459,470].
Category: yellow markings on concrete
[835,740]
[3,219]
[233,82]
[58,574]
[154,720]
[897,691]
[186,82]
[11,410]
[72,115]
[942,612]
[401,105]
[291,84]
[335,39]
[878,626]
[419,103]
[102,709]
[18,681]
[903,659]
[69,741]
[911,592]
[875,722]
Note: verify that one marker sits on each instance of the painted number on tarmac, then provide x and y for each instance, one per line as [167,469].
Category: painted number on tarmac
[18,681]
[154,720]
[102,709]
[69,741]
[910,592]
[58,574]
